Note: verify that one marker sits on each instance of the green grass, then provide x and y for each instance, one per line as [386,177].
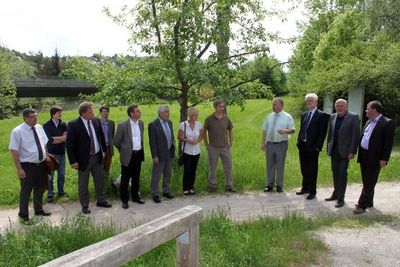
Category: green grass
[268,241]
[248,159]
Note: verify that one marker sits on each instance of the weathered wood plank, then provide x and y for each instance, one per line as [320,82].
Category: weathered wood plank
[130,244]
[187,248]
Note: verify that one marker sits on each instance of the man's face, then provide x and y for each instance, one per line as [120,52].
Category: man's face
[164,115]
[89,114]
[341,107]
[136,113]
[104,113]
[31,120]
[370,113]
[220,108]
[311,103]
[277,106]
[57,115]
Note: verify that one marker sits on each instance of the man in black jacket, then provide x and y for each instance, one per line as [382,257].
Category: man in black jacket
[86,149]
[313,128]
[56,131]
[374,152]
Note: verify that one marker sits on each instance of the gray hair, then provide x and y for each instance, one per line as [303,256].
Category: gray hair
[311,95]
[163,108]
[341,100]
[84,107]
[193,111]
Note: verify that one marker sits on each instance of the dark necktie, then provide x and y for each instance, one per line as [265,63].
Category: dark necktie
[92,148]
[38,145]
[167,134]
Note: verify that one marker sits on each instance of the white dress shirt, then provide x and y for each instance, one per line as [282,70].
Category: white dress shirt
[136,137]
[96,142]
[22,140]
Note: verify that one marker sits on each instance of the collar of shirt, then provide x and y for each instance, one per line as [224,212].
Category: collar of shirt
[135,122]
[56,122]
[376,119]
[162,121]
[27,127]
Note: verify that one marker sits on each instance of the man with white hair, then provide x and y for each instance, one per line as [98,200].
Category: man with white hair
[313,127]
[162,147]
[342,143]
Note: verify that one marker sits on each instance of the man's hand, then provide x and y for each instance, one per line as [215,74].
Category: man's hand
[75,165]
[104,155]
[21,173]
[263,147]
[156,160]
[382,163]
[350,156]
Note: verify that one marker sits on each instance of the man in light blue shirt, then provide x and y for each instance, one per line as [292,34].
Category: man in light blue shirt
[276,131]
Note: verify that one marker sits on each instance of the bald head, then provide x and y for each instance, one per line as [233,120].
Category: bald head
[341,107]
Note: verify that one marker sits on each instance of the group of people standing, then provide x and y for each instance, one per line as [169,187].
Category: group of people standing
[89,143]
[374,144]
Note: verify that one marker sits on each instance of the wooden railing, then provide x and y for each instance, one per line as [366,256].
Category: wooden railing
[182,224]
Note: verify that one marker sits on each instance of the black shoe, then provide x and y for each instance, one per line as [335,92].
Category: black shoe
[339,204]
[268,189]
[50,200]
[63,194]
[156,199]
[42,213]
[125,205]
[332,198]
[232,190]
[138,200]
[86,210]
[302,192]
[310,196]
[24,220]
[104,204]
[168,195]
[279,189]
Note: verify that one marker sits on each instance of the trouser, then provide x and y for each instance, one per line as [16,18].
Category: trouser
[309,168]
[189,171]
[36,177]
[275,157]
[60,177]
[339,170]
[370,174]
[96,169]
[132,171]
[214,153]
[107,161]
[162,168]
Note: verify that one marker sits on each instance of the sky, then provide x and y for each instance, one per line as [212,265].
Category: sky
[79,27]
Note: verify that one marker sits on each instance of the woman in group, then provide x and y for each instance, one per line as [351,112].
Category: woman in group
[190,133]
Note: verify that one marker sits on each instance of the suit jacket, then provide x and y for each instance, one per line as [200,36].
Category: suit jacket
[78,142]
[111,132]
[123,141]
[158,141]
[380,143]
[348,136]
[316,131]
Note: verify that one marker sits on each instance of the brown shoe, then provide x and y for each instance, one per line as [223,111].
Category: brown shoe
[358,210]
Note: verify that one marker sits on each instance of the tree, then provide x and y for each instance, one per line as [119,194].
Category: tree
[55,63]
[189,45]
[8,91]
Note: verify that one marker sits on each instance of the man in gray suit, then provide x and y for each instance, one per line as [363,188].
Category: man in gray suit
[343,140]
[129,142]
[108,127]
[162,146]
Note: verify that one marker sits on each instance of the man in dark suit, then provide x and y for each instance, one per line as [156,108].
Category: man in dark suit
[374,152]
[343,139]
[310,140]
[86,148]
[108,127]
[129,142]
[162,146]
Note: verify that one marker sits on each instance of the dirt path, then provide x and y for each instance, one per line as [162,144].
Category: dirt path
[357,246]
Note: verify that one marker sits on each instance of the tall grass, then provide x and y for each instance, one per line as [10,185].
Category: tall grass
[265,242]
[248,158]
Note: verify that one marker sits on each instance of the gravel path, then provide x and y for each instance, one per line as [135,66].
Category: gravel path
[372,246]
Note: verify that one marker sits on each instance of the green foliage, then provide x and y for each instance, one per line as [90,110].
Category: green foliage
[8,91]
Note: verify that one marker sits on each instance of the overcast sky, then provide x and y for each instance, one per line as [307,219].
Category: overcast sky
[79,27]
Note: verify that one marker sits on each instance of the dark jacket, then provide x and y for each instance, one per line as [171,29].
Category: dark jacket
[316,131]
[51,130]
[380,143]
[78,142]
[158,141]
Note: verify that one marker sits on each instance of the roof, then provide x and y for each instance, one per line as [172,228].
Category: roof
[41,87]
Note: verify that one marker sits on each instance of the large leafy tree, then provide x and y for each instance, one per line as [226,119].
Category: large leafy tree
[190,46]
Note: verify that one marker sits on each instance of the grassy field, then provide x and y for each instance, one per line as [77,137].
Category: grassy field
[248,159]
[269,241]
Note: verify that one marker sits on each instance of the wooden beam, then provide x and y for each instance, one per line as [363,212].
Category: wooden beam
[130,244]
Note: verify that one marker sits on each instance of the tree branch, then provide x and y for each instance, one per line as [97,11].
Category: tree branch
[238,55]
[154,10]
[204,50]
